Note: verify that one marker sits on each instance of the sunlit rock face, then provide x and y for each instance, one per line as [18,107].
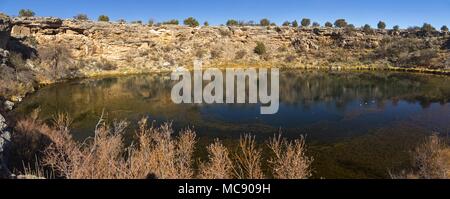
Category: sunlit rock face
[164,47]
[137,47]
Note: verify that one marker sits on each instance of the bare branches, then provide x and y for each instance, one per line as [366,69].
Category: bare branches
[158,153]
[248,161]
[290,161]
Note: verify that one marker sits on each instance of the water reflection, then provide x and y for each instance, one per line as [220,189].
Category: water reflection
[310,101]
[359,124]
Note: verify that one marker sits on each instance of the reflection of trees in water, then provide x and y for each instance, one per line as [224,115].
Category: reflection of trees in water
[151,93]
[307,88]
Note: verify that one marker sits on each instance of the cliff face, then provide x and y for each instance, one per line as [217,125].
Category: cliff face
[143,47]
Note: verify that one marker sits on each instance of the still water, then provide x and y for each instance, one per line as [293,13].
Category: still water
[358,124]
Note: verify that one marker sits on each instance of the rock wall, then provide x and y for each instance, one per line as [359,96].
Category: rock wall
[5,28]
[141,47]
[5,139]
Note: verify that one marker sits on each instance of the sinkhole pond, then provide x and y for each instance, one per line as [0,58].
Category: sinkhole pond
[358,124]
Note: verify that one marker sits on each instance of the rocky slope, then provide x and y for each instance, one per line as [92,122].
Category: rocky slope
[135,47]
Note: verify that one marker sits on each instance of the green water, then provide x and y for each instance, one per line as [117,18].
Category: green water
[358,124]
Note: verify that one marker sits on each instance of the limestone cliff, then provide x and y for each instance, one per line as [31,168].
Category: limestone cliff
[136,47]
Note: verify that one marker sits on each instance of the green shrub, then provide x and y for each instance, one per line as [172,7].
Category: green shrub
[103,18]
[286,23]
[172,22]
[444,28]
[396,28]
[328,24]
[191,22]
[316,24]
[264,22]
[206,24]
[427,28]
[295,24]
[306,22]
[232,22]
[260,48]
[381,25]
[81,17]
[340,23]
[367,29]
[26,13]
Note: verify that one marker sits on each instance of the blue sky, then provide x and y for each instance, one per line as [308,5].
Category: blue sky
[359,12]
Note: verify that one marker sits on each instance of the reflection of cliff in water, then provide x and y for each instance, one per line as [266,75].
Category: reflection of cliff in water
[307,88]
[309,99]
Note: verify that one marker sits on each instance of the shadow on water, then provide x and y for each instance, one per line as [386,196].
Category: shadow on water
[358,124]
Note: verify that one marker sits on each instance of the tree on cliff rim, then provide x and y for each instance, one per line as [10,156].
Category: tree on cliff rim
[191,22]
[232,22]
[81,17]
[381,25]
[295,24]
[26,13]
[306,22]
[340,23]
[264,22]
[103,18]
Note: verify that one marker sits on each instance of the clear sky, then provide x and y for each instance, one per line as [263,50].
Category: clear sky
[359,12]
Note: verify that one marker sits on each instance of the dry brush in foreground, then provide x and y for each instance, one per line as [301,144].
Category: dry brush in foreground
[156,153]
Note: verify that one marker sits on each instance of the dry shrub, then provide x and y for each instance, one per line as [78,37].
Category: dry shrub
[157,153]
[248,161]
[100,158]
[160,156]
[219,165]
[290,161]
[431,160]
[28,141]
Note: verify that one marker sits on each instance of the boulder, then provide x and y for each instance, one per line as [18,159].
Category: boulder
[5,139]
[8,105]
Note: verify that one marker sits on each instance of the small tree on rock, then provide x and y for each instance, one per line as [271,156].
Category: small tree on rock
[260,48]
[306,22]
[26,13]
[340,23]
[264,22]
[103,18]
[232,22]
[81,17]
[381,25]
[191,22]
